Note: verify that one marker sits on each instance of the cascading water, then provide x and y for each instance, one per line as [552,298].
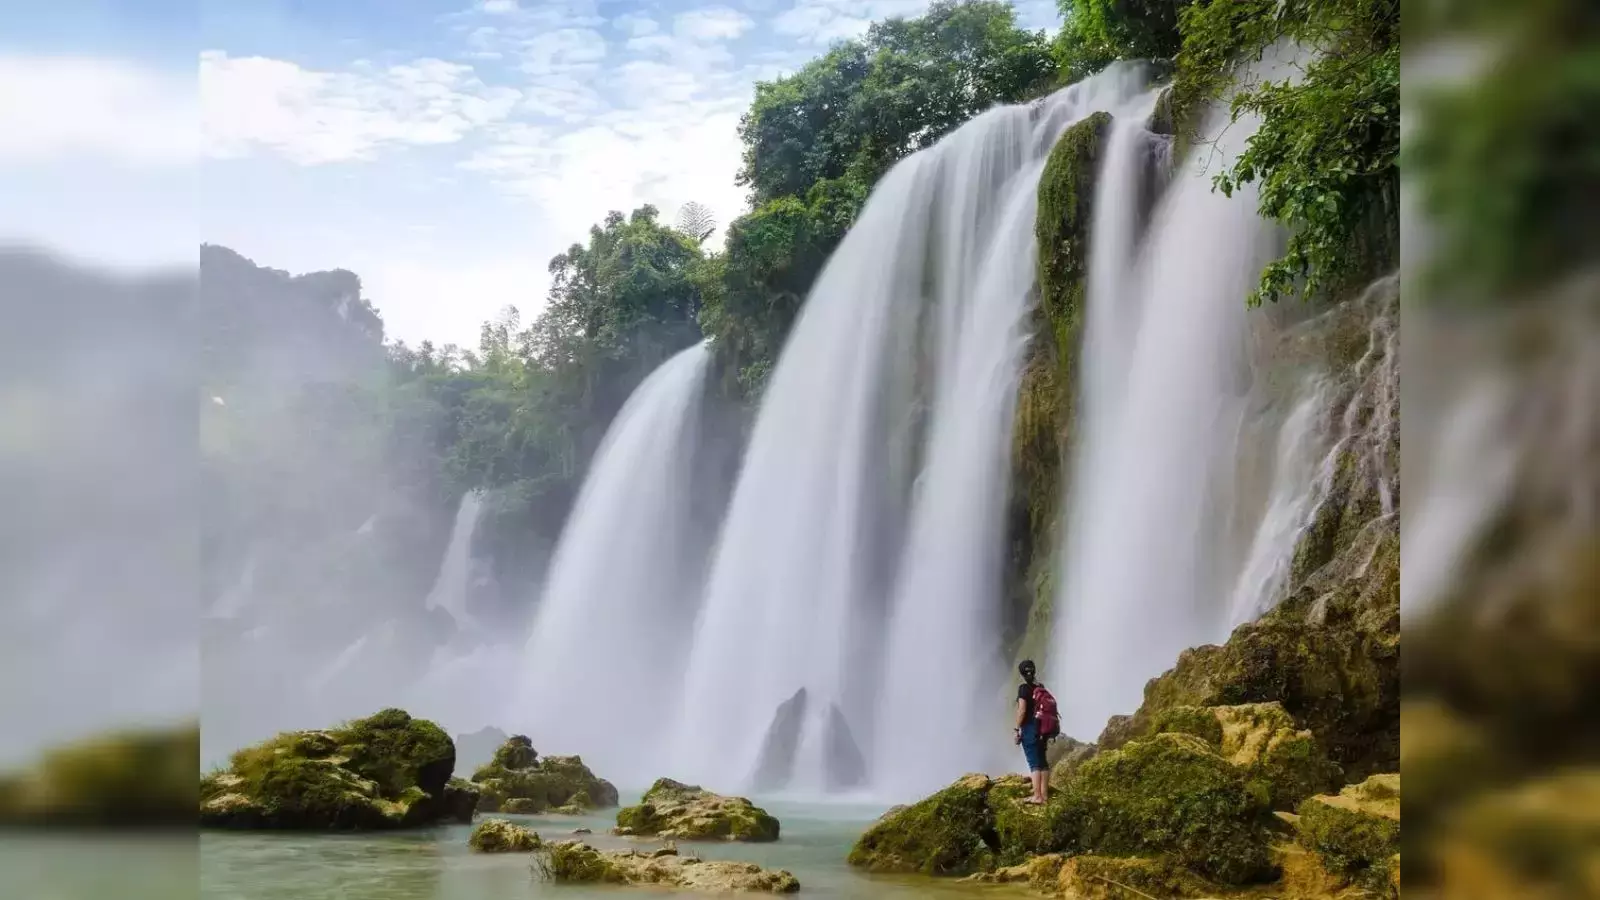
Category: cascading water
[794,598]
[623,578]
[454,580]
[1161,389]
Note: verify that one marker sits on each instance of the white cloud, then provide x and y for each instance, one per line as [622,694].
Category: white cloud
[497,7]
[712,23]
[310,117]
[562,51]
[824,21]
[636,24]
[53,107]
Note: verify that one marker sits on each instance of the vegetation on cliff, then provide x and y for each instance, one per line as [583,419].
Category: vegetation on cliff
[385,771]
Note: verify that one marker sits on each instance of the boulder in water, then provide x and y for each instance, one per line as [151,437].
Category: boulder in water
[843,766]
[572,862]
[671,809]
[948,833]
[518,781]
[385,771]
[775,767]
[501,836]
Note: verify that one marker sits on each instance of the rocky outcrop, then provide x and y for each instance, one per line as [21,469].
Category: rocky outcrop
[518,781]
[501,836]
[571,862]
[385,771]
[843,766]
[476,750]
[949,833]
[1356,833]
[1285,761]
[687,812]
[775,766]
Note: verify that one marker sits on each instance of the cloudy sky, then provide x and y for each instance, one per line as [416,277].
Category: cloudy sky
[442,149]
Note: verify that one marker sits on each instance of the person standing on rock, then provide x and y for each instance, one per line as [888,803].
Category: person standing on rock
[1038,722]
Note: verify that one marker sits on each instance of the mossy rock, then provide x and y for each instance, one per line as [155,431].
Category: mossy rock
[1356,831]
[572,862]
[501,836]
[1109,877]
[1171,794]
[948,833]
[518,781]
[1023,830]
[671,809]
[460,800]
[125,778]
[1447,761]
[385,771]
[1263,740]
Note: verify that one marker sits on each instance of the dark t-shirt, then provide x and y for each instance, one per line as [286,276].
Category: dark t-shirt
[1025,694]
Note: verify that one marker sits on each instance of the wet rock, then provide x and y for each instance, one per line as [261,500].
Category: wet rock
[1261,738]
[572,862]
[843,765]
[1356,832]
[948,833]
[385,771]
[501,836]
[775,766]
[518,781]
[671,809]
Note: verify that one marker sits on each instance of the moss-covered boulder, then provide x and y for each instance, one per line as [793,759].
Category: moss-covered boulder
[948,833]
[385,771]
[1171,794]
[1540,838]
[501,836]
[130,778]
[572,862]
[1262,739]
[460,800]
[1022,830]
[1356,832]
[1110,877]
[671,809]
[517,780]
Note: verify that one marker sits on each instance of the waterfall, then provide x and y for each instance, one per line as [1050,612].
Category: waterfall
[454,580]
[615,612]
[1162,388]
[797,597]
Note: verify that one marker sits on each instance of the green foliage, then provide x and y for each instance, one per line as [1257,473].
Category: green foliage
[1325,153]
[1503,161]
[1095,32]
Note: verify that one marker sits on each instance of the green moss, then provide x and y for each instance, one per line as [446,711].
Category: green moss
[1535,839]
[1357,831]
[385,771]
[672,809]
[948,833]
[1199,721]
[127,778]
[518,781]
[1023,830]
[1171,794]
[572,862]
[501,836]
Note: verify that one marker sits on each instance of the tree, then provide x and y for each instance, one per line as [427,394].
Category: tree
[697,221]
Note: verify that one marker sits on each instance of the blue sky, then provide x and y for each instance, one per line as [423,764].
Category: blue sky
[442,149]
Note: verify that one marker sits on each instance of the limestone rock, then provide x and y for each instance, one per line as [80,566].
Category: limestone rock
[948,833]
[385,771]
[1356,831]
[517,781]
[671,809]
[1108,877]
[460,800]
[574,862]
[775,766]
[1170,794]
[1261,738]
[501,836]
[843,765]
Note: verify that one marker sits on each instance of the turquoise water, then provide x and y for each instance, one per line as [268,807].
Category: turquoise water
[437,865]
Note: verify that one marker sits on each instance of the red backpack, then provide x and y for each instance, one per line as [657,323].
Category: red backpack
[1044,710]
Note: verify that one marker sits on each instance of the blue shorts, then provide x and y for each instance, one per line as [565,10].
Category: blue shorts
[1033,748]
